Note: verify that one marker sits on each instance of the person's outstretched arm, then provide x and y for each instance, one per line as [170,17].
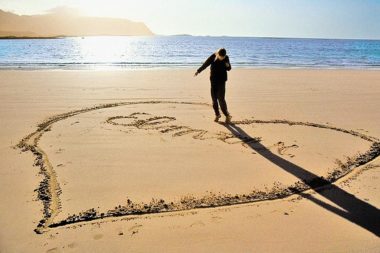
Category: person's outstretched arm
[228,64]
[206,64]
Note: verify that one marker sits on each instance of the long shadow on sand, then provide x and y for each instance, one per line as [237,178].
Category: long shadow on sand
[355,210]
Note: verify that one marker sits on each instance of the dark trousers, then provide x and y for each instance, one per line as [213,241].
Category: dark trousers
[218,91]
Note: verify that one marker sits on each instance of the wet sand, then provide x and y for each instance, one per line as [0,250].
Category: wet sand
[132,160]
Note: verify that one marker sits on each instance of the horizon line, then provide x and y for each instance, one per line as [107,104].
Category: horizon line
[186,35]
[268,37]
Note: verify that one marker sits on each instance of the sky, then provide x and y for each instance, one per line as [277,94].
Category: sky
[349,19]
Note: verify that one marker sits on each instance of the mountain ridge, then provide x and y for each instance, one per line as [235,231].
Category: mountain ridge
[64,24]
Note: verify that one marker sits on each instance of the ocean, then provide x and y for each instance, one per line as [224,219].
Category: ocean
[135,52]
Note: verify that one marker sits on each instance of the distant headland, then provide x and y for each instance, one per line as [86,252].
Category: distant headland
[64,24]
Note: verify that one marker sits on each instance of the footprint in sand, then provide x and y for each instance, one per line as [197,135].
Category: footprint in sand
[72,245]
[197,224]
[98,236]
[216,219]
[135,229]
[53,250]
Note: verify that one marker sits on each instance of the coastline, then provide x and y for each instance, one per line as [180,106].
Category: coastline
[347,99]
[29,37]
[187,67]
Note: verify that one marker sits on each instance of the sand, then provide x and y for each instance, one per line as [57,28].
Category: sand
[115,161]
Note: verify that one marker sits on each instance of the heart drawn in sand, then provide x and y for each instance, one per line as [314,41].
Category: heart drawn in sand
[165,156]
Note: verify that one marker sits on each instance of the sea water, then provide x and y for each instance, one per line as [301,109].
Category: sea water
[131,52]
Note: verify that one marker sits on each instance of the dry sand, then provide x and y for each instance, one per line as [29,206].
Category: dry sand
[116,161]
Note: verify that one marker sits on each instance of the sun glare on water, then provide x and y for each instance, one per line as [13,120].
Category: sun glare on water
[112,51]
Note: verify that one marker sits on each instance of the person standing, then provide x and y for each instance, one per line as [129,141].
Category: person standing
[220,64]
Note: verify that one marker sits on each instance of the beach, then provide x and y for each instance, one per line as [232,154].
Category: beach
[131,160]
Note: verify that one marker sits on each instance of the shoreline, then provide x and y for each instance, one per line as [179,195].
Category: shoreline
[120,69]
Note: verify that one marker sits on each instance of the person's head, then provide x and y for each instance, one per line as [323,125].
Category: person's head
[221,54]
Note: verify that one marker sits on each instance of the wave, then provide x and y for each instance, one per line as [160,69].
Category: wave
[169,65]
[187,52]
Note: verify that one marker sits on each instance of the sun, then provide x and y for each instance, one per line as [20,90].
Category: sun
[110,8]
[91,8]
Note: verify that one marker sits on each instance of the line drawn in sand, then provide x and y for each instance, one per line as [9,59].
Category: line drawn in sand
[282,149]
[164,125]
[48,191]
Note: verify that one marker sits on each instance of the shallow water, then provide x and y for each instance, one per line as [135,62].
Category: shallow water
[120,52]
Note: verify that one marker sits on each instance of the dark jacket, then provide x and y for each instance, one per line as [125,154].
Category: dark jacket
[218,70]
